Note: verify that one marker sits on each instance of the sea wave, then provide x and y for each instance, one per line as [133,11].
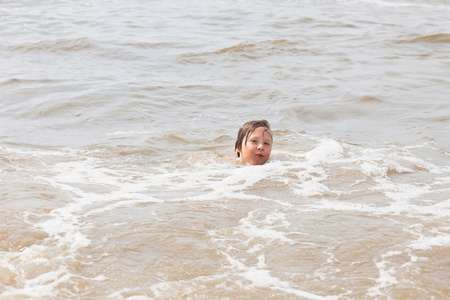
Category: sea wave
[53,46]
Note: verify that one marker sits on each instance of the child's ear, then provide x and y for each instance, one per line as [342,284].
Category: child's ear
[238,152]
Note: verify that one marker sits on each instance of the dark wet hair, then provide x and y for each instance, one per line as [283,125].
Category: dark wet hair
[246,130]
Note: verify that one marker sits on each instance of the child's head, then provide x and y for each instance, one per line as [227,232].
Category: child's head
[254,142]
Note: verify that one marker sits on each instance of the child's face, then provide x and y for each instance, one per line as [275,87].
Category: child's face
[256,149]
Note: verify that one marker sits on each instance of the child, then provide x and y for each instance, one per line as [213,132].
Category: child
[254,142]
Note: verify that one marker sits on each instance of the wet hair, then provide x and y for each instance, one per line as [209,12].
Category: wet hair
[246,130]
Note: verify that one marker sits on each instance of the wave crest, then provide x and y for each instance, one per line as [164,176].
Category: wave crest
[57,45]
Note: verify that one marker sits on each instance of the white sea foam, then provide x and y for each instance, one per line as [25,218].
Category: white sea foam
[260,277]
[440,238]
[327,149]
[253,229]
[386,275]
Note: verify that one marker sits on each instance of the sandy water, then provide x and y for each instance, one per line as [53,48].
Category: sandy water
[117,172]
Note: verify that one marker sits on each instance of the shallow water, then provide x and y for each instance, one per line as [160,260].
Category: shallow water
[116,151]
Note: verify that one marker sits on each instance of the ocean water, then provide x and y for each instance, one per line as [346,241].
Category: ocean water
[118,178]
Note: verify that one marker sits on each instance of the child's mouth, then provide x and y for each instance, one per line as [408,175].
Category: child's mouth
[259,155]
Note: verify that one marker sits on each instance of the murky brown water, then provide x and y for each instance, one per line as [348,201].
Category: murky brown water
[117,173]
